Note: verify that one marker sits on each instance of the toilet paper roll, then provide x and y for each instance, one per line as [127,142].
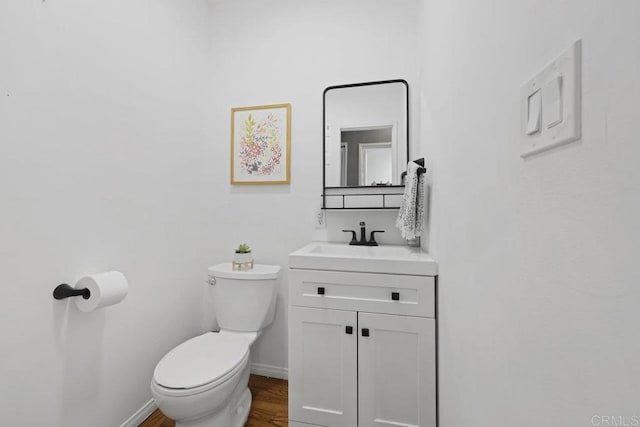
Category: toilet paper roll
[106,289]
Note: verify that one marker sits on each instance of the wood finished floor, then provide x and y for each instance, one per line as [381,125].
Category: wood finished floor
[269,407]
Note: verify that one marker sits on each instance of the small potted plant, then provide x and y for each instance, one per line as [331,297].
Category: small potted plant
[243,256]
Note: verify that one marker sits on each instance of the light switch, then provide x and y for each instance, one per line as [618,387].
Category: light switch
[550,104]
[534,112]
[552,98]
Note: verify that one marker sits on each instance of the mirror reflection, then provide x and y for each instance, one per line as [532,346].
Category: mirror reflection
[365,134]
[366,157]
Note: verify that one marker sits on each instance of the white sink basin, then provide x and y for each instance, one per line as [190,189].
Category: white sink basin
[369,259]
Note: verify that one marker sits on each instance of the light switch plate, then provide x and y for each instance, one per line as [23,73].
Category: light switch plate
[562,122]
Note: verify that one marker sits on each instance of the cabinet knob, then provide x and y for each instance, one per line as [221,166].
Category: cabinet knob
[348,330]
[320,290]
[365,332]
[395,296]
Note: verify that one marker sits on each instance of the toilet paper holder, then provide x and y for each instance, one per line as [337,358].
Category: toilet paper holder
[63,291]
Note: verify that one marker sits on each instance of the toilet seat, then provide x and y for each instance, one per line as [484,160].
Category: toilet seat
[201,363]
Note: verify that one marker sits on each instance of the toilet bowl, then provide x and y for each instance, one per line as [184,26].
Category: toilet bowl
[203,382]
[199,377]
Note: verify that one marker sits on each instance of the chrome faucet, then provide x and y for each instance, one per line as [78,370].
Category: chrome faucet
[363,236]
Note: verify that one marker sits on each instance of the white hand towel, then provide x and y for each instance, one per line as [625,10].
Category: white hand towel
[411,216]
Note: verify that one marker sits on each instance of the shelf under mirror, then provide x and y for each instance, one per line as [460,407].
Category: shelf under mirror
[382,197]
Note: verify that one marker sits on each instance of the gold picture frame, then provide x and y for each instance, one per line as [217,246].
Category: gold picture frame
[261,145]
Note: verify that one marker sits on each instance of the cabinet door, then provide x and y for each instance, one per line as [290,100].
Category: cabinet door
[396,377]
[323,366]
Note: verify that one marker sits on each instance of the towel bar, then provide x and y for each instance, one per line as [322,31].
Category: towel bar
[421,169]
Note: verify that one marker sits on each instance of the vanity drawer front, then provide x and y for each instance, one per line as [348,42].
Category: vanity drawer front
[376,293]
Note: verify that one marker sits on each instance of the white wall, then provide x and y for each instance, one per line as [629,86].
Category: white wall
[102,166]
[114,154]
[539,289]
[290,51]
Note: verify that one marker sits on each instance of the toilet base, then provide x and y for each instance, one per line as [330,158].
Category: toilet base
[235,412]
[241,413]
[228,417]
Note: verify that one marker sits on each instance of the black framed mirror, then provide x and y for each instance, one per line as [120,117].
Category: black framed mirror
[366,134]
[365,144]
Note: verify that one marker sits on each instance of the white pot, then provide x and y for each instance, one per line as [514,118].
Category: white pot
[242,258]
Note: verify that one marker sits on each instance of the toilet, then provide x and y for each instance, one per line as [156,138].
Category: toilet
[204,382]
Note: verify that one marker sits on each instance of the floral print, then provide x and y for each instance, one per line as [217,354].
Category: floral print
[260,152]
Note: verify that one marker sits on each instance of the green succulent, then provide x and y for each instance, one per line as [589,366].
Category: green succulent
[243,248]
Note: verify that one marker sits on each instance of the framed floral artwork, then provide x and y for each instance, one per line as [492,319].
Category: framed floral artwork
[261,144]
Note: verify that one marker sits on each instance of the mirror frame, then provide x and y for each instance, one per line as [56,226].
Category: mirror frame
[324,129]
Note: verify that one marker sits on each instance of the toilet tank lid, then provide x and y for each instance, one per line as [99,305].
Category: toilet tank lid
[258,272]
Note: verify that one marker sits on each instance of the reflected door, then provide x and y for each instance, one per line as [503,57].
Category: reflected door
[376,166]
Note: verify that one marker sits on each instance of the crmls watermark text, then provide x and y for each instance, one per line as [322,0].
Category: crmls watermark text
[615,420]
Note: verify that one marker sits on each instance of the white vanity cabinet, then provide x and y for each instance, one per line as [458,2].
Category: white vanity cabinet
[362,349]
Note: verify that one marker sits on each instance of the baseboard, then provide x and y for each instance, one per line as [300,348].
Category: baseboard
[269,371]
[141,414]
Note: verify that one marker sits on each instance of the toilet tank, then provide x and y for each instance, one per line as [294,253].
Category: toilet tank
[244,301]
